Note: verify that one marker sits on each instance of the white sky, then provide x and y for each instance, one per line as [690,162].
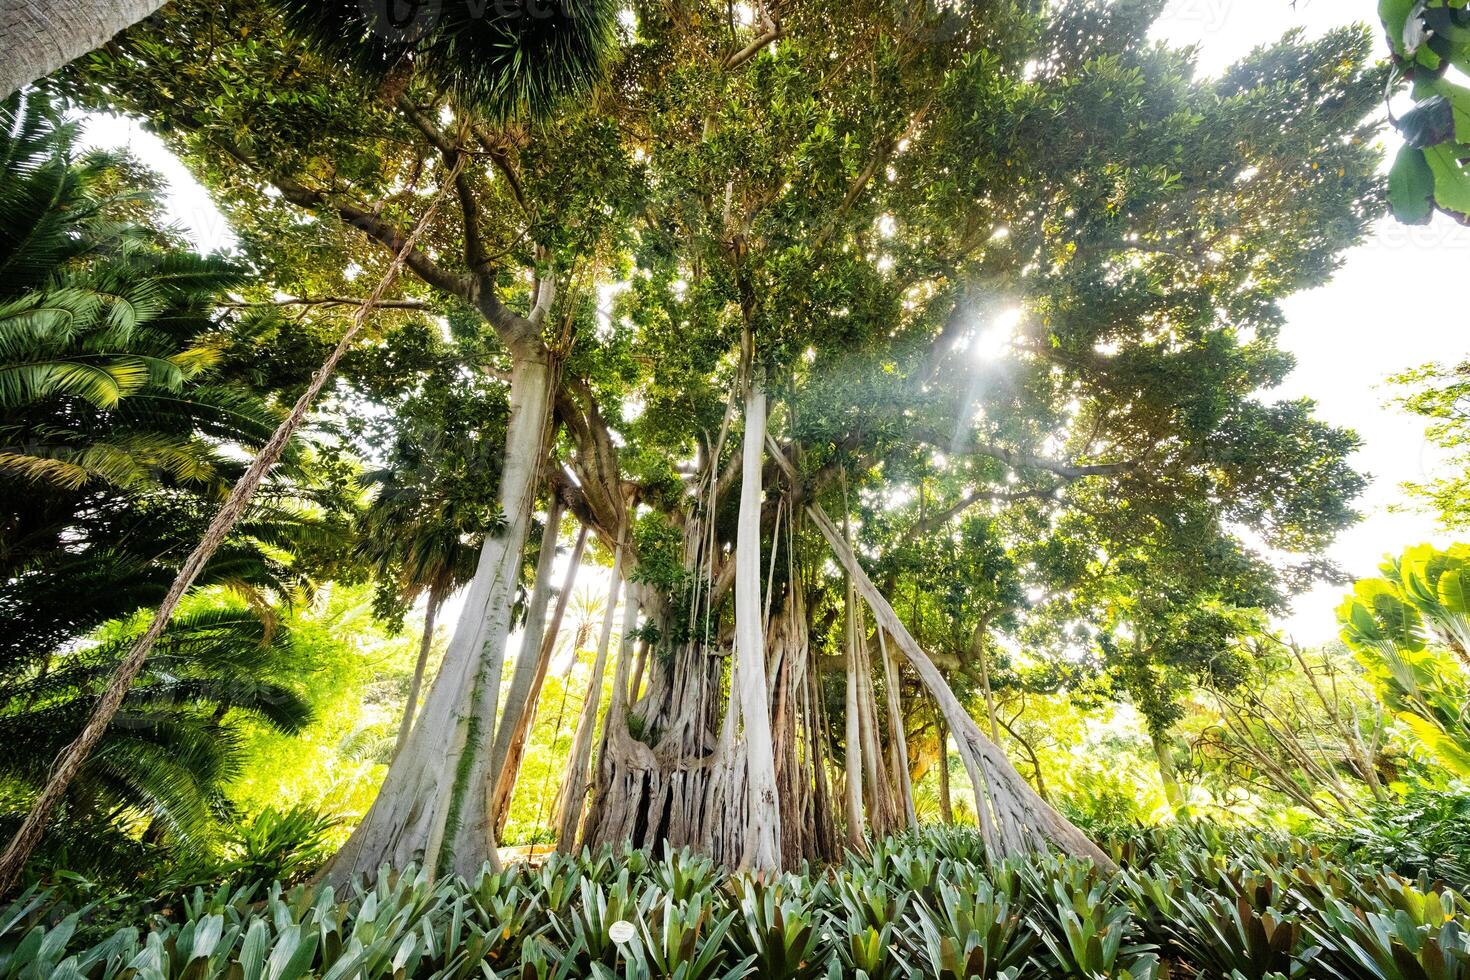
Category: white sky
[1347,337]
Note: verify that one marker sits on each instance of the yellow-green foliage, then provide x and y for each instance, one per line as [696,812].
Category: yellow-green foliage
[1410,631]
[356,677]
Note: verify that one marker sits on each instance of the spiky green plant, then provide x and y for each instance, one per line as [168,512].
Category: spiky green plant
[504,58]
[168,753]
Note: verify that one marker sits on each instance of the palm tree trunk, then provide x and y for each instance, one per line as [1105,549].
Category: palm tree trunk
[40,36]
[71,759]
[431,614]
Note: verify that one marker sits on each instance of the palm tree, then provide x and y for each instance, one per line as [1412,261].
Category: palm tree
[116,406]
[117,411]
[172,746]
[500,58]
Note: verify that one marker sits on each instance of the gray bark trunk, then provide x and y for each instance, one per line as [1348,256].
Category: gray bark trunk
[40,36]
[505,784]
[432,805]
[898,738]
[764,851]
[946,804]
[517,699]
[1013,818]
[573,793]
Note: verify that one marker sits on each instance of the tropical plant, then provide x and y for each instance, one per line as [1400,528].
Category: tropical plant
[165,760]
[1428,39]
[1411,629]
[119,410]
[1219,906]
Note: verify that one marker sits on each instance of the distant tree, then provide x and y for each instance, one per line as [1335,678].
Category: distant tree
[1440,394]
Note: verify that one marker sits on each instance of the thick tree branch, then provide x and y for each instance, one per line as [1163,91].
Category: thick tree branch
[451,152]
[383,232]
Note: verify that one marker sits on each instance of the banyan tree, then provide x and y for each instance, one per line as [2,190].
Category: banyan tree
[797,286]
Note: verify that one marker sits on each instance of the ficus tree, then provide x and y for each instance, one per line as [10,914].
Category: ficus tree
[798,261]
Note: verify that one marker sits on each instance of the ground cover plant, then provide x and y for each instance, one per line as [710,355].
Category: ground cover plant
[927,904]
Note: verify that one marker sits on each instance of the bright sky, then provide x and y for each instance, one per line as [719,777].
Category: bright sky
[1347,337]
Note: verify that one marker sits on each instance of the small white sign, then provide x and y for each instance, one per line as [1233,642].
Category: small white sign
[621,932]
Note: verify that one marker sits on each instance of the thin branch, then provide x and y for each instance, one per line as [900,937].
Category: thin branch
[385,304]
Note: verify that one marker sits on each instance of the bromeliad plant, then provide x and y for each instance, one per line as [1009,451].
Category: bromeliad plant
[1206,905]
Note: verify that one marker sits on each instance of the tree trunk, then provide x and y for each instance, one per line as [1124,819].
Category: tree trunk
[431,613]
[897,737]
[573,794]
[946,805]
[882,817]
[432,805]
[1013,818]
[983,656]
[518,701]
[505,783]
[764,852]
[71,759]
[852,755]
[40,36]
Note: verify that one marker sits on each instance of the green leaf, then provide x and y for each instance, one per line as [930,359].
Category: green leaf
[1451,179]
[1411,187]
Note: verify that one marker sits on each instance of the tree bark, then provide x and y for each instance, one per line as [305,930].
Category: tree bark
[898,738]
[505,783]
[432,805]
[528,661]
[764,850]
[946,804]
[431,613]
[71,759]
[983,656]
[573,793]
[853,739]
[40,36]
[1013,818]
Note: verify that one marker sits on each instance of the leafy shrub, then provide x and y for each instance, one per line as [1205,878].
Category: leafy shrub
[1426,832]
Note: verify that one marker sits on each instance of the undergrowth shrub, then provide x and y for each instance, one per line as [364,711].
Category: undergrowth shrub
[1194,902]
